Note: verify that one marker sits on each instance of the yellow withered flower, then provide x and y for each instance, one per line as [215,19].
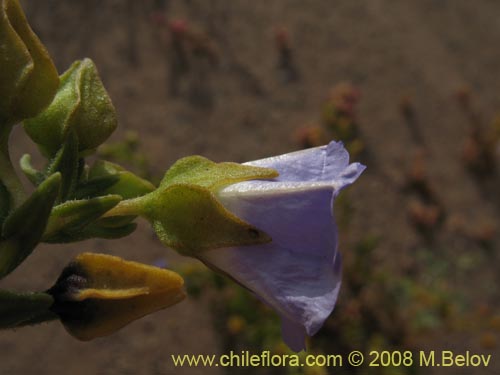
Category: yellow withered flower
[98,294]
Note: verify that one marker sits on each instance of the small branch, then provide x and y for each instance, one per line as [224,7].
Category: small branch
[128,207]
[8,175]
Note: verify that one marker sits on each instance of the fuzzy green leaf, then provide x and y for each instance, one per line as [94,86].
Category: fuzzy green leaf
[95,230]
[128,185]
[24,227]
[66,162]
[81,104]
[70,218]
[28,78]
[95,187]
[36,177]
[4,202]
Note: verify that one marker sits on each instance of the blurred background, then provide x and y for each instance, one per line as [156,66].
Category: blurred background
[411,87]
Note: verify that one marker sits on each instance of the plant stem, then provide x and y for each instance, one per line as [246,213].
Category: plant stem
[8,175]
[128,207]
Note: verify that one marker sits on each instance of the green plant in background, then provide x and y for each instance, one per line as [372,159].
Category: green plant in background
[481,147]
[338,121]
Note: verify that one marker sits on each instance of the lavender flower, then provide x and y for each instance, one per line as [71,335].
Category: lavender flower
[274,233]
[299,273]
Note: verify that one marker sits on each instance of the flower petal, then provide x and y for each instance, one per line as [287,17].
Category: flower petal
[298,219]
[302,289]
[324,163]
[293,334]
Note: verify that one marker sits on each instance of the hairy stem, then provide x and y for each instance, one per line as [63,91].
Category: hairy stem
[128,207]
[8,175]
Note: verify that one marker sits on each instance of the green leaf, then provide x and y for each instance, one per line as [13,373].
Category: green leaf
[24,227]
[109,233]
[96,186]
[36,177]
[66,161]
[114,221]
[20,309]
[70,218]
[128,185]
[95,230]
[4,202]
[82,105]
[49,128]
[28,78]
[16,64]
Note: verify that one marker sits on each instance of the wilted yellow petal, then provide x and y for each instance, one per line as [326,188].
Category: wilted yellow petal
[111,293]
[107,272]
[98,294]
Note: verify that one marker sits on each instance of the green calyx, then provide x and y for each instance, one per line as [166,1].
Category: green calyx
[189,219]
[81,105]
[185,212]
[200,171]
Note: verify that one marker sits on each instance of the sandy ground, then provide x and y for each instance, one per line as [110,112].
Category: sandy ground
[389,49]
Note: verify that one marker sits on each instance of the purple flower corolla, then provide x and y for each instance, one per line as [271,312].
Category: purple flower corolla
[299,273]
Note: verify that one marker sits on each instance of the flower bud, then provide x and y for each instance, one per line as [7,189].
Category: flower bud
[81,105]
[98,294]
[28,77]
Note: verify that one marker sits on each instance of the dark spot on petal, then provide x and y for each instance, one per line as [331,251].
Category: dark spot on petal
[75,283]
[254,233]
[73,279]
